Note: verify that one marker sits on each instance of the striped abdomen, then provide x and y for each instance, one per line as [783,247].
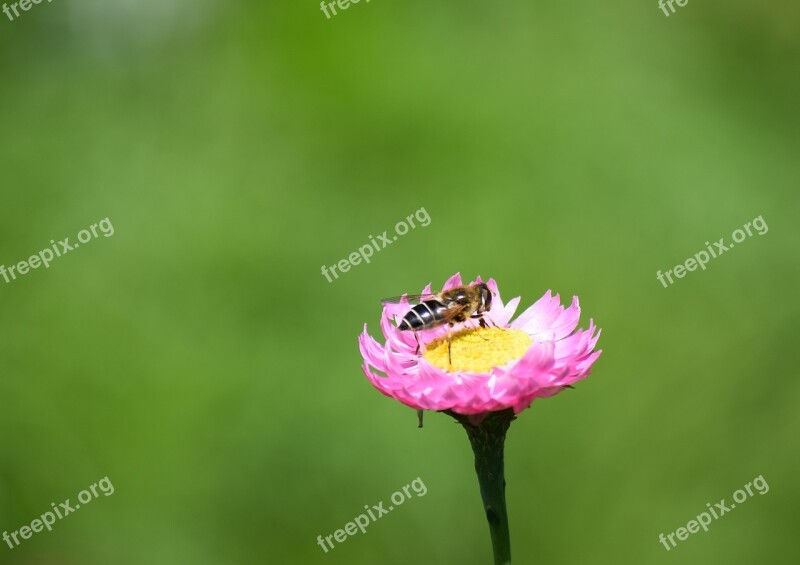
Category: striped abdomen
[423,316]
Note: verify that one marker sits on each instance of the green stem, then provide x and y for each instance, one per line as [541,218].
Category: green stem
[488,439]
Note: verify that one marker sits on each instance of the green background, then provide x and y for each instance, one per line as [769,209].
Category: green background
[199,359]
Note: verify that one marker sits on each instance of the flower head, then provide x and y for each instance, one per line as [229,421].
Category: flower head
[481,369]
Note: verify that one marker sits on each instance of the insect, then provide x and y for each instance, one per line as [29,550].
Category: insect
[447,307]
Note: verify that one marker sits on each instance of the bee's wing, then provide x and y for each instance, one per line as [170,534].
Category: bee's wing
[452,312]
[411,298]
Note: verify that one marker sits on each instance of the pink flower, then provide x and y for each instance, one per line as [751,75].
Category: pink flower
[536,355]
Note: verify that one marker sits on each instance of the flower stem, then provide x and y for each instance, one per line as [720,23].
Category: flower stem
[487,439]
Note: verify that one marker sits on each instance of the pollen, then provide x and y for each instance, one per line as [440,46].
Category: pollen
[478,350]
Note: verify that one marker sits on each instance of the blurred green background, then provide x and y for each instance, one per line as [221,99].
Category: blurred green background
[200,360]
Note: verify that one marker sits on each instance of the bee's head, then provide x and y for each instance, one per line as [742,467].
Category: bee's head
[486,297]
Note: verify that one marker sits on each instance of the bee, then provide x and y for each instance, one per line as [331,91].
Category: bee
[447,307]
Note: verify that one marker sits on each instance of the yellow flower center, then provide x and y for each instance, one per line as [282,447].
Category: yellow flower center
[478,350]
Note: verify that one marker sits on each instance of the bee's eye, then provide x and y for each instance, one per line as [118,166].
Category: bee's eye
[487,298]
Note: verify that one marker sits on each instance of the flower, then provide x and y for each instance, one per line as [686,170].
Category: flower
[492,369]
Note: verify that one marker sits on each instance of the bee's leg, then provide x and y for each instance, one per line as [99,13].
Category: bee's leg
[482,323]
[449,356]
[417,338]
[419,415]
[482,320]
